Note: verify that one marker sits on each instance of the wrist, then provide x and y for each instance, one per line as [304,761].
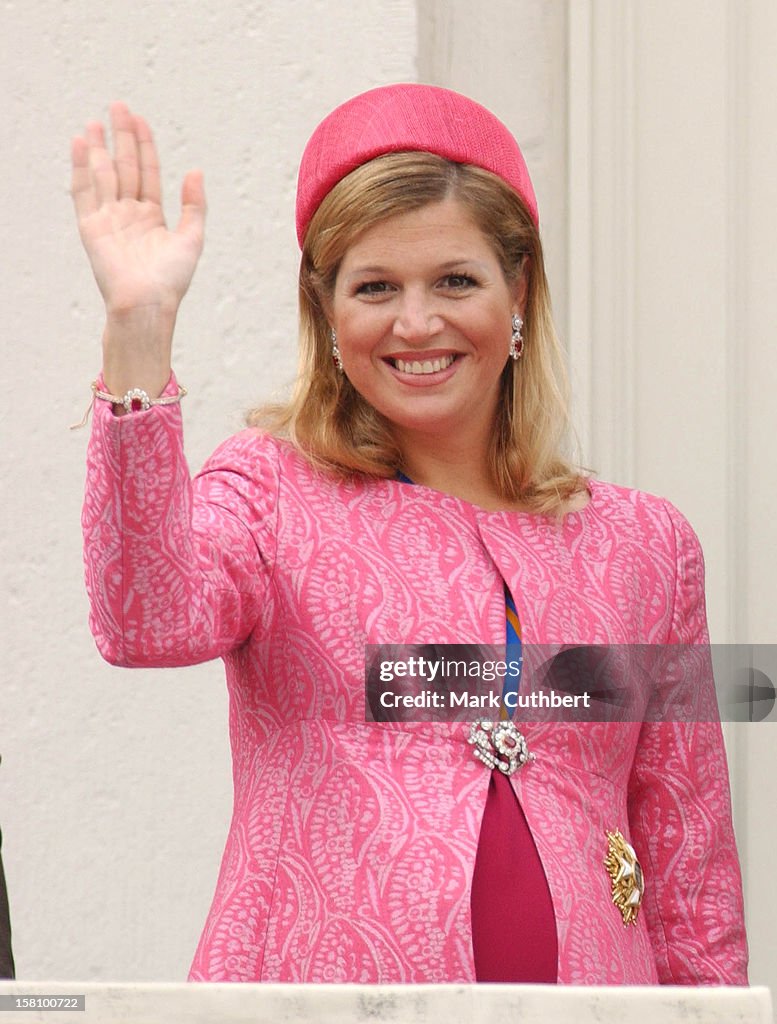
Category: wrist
[133,400]
[137,351]
[138,400]
[161,311]
[120,381]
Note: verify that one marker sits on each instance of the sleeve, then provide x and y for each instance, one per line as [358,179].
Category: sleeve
[680,812]
[177,571]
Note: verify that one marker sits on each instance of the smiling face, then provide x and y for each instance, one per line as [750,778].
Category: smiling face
[423,314]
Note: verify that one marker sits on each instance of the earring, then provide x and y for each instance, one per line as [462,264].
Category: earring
[516,341]
[338,359]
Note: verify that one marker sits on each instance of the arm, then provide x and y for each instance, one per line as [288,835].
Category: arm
[680,816]
[177,571]
[142,268]
[172,578]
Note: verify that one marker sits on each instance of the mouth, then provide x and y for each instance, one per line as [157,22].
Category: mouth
[422,367]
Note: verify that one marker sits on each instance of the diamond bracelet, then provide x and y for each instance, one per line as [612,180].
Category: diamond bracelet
[135,400]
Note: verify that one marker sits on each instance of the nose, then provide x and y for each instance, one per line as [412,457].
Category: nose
[417,319]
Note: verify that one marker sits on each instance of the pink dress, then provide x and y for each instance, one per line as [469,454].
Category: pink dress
[352,846]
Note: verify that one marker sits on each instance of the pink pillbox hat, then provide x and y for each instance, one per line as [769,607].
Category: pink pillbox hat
[396,118]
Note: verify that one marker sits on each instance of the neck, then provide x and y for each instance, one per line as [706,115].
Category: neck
[456,468]
[462,471]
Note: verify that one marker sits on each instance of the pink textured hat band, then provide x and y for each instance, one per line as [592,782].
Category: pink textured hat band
[396,118]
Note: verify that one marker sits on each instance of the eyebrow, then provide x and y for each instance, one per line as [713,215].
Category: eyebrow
[439,268]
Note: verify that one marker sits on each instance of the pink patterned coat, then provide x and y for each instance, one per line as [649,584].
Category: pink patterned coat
[351,847]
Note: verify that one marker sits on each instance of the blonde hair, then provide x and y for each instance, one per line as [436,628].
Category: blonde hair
[329,421]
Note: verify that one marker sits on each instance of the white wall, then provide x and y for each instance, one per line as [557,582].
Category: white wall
[115,786]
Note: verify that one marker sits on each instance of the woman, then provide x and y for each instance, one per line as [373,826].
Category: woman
[420,496]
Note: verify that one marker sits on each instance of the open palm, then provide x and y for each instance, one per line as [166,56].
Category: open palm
[137,260]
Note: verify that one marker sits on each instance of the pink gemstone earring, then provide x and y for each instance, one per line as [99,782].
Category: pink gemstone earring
[338,359]
[516,341]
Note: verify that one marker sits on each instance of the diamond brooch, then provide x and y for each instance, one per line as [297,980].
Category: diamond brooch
[499,745]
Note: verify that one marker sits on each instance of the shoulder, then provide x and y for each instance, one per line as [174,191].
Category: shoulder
[274,463]
[253,452]
[243,449]
[662,534]
[641,512]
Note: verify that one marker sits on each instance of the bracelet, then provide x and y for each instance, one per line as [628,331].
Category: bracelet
[135,400]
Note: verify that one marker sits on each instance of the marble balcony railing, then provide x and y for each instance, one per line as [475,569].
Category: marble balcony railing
[384,1004]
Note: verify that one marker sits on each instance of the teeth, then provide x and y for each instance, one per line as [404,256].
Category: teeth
[427,366]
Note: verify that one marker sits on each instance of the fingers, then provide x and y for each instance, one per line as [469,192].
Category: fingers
[93,178]
[150,181]
[81,187]
[125,146]
[134,173]
[192,221]
[100,164]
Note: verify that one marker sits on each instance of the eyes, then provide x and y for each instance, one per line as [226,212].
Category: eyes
[448,283]
[459,281]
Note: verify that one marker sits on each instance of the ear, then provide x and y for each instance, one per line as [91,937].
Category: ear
[519,287]
[328,309]
[319,295]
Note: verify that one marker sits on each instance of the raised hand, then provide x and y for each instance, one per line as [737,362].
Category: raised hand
[142,267]
[136,259]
